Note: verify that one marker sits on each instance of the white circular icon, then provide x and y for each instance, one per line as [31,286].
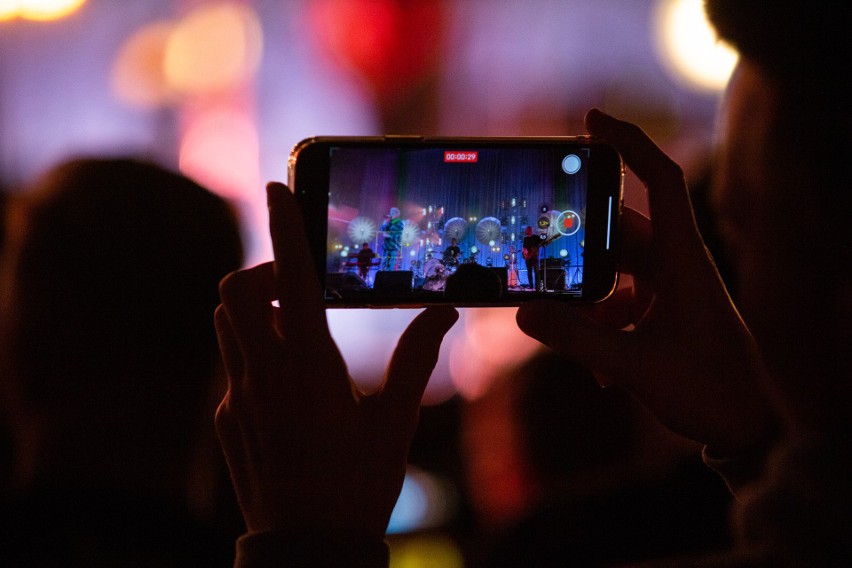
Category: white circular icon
[571,164]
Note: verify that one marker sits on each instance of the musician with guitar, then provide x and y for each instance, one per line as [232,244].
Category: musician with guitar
[532,245]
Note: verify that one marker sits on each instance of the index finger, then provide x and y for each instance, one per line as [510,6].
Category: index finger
[296,282]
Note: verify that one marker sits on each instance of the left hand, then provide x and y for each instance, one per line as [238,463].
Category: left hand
[305,447]
[689,357]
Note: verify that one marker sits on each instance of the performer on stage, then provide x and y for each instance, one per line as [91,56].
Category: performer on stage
[365,260]
[532,244]
[452,254]
[392,230]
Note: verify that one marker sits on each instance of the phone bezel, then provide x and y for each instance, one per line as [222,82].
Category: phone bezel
[308,167]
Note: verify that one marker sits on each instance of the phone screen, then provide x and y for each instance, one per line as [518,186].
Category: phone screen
[472,222]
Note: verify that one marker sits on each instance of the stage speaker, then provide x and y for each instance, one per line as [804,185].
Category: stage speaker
[344,281]
[554,274]
[393,282]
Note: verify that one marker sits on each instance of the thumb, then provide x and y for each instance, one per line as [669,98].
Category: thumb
[570,331]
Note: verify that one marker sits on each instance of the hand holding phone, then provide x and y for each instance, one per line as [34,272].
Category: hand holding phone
[674,339]
[305,447]
[411,198]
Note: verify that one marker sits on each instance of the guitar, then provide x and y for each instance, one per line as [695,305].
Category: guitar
[512,275]
[531,252]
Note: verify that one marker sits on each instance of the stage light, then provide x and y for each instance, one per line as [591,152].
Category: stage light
[137,72]
[213,48]
[474,249]
[424,502]
[39,10]
[688,46]
[563,253]
[220,149]
[426,550]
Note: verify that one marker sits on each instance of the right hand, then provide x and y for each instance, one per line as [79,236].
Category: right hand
[688,356]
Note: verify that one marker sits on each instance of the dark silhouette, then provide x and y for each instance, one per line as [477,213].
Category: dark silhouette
[767,390]
[559,475]
[109,353]
[473,283]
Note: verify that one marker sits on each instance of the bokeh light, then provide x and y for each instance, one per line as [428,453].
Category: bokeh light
[390,43]
[424,502]
[220,149]
[480,354]
[214,48]
[40,10]
[689,48]
[138,77]
[426,551]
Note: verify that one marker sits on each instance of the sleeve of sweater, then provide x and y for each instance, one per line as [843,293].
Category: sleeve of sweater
[310,548]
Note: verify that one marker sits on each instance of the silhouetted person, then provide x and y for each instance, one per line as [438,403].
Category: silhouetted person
[365,261]
[766,390]
[108,287]
[473,283]
[559,474]
[530,252]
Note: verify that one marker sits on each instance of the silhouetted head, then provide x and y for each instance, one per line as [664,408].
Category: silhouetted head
[473,283]
[783,195]
[109,287]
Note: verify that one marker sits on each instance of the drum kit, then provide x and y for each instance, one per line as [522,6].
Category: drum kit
[435,275]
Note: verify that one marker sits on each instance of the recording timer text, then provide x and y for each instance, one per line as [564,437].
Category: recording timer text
[457,156]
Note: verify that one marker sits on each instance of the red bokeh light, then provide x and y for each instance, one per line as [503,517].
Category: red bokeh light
[392,44]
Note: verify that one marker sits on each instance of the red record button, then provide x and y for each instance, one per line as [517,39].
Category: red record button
[461,156]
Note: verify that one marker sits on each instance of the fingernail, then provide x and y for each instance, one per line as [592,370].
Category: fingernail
[273,193]
[446,315]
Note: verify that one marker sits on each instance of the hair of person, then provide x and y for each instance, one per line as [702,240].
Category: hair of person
[803,48]
[116,280]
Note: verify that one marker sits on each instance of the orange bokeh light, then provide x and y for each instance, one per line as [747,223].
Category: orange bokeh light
[214,48]
[138,78]
[39,10]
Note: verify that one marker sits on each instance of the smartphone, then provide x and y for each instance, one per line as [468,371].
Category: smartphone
[409,221]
